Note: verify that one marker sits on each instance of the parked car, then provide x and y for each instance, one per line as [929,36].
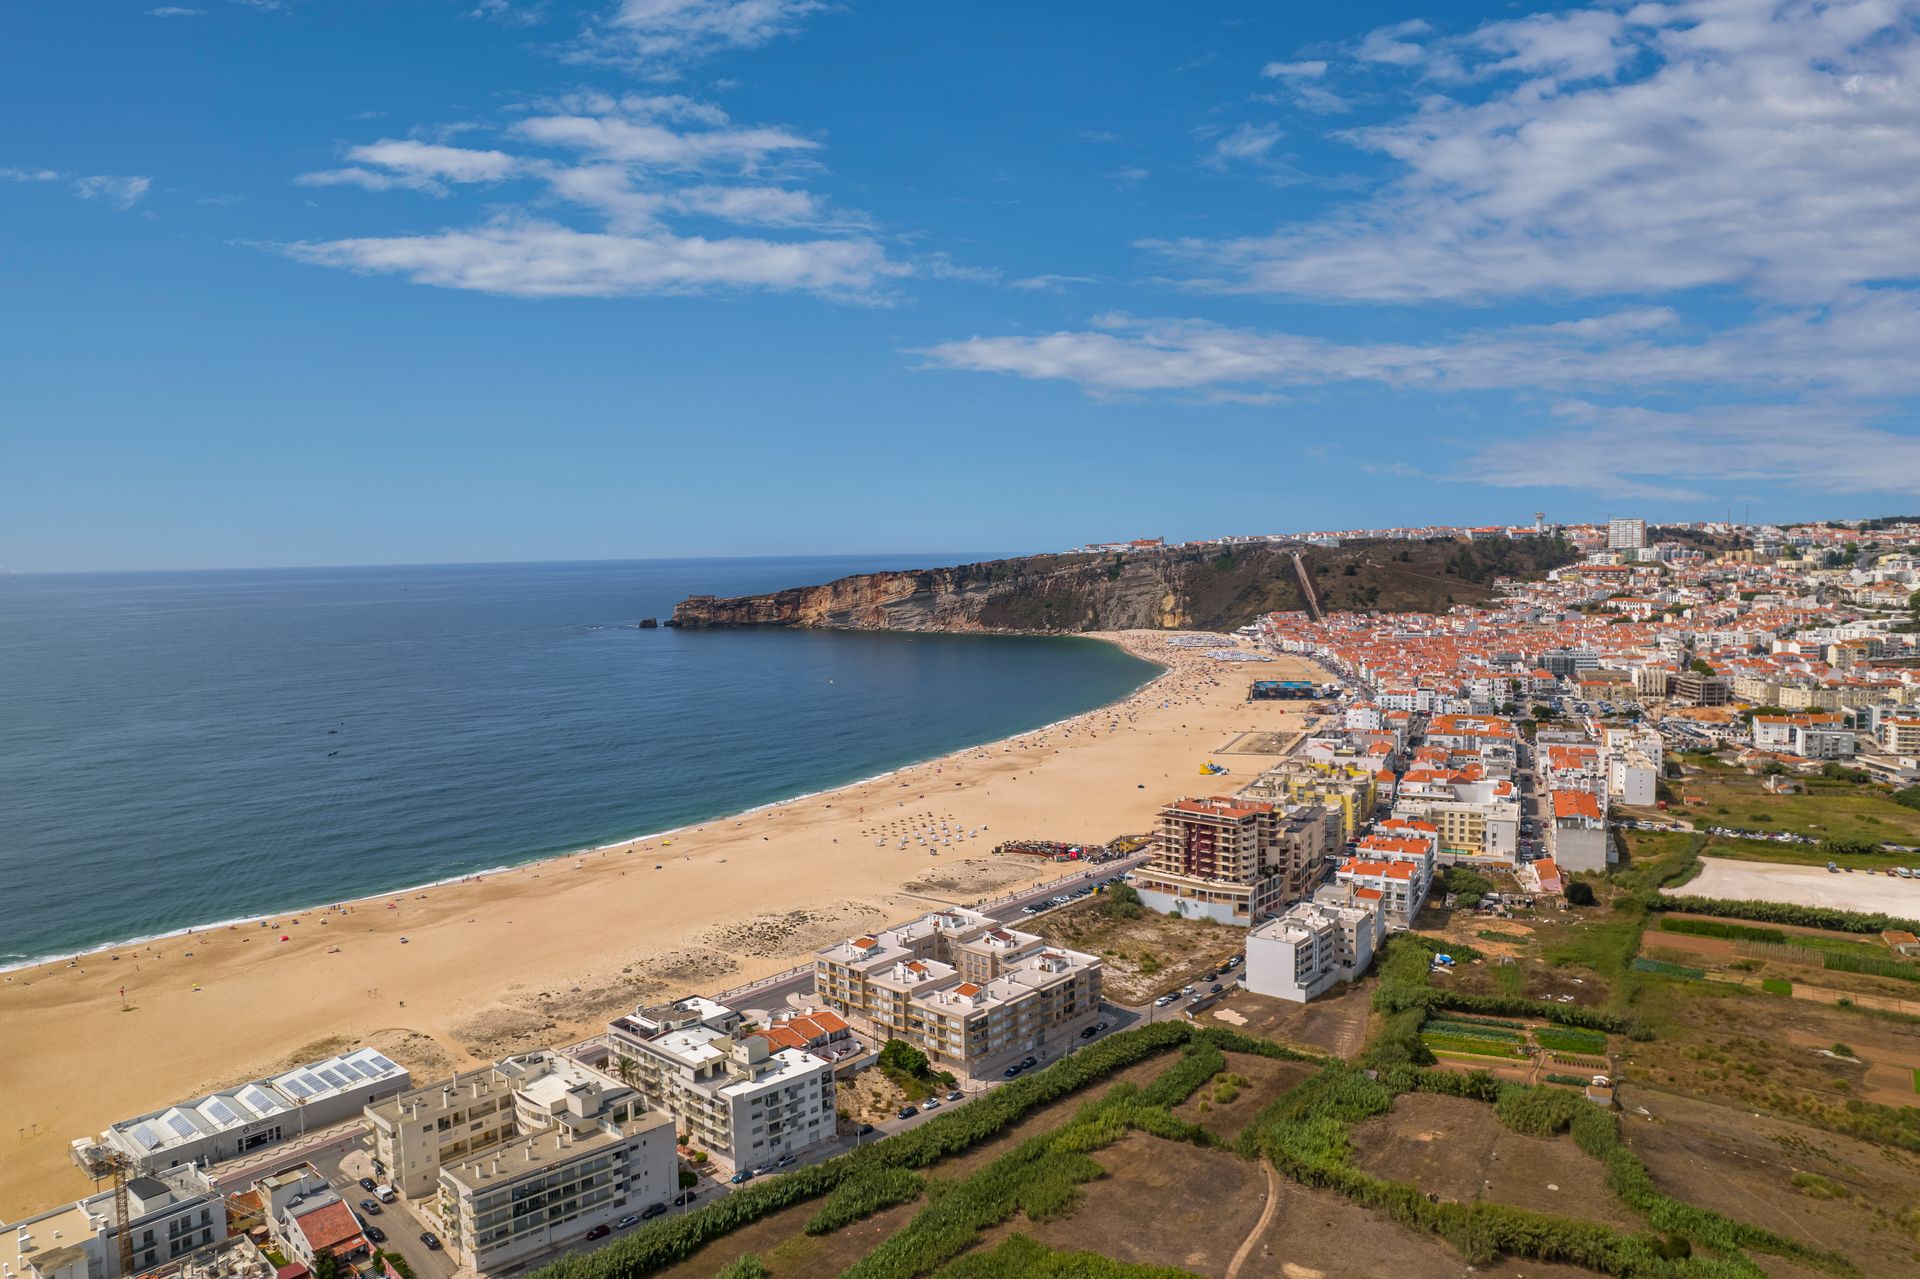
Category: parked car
[1089,1032]
[384,1194]
[1164,1000]
[931,1103]
[1216,988]
[652,1211]
[1029,1063]
[742,1177]
[430,1239]
[866,1130]
[1012,1070]
[685,1197]
[374,1233]
[627,1222]
[908,1112]
[954,1094]
[599,1232]
[785,1161]
[761,1170]
[368,1183]
[370,1207]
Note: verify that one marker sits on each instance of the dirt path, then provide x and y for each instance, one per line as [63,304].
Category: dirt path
[1260,1226]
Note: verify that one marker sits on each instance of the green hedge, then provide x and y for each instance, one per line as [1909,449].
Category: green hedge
[1842,921]
[1720,928]
[1661,968]
[1871,965]
[864,1193]
[672,1239]
[1468,1029]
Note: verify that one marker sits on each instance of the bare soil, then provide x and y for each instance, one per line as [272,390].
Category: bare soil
[1161,1203]
[1049,1117]
[1318,1235]
[1335,1025]
[1457,1149]
[1266,1079]
[1144,957]
[1743,1164]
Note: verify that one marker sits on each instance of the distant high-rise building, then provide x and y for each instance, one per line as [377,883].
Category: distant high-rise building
[1626,535]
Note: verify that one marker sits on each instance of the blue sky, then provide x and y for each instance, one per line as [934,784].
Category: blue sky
[321,282]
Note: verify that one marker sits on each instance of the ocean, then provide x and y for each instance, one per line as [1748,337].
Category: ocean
[180,749]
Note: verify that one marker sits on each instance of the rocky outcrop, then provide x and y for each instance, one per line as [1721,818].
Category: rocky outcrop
[1203,589]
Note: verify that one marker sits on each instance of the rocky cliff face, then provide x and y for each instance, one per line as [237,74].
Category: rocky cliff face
[1164,590]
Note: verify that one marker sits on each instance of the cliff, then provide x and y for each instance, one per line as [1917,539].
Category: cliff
[1203,589]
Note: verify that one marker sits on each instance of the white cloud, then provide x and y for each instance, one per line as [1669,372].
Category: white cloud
[1051,283]
[430,160]
[1700,143]
[1129,175]
[1294,70]
[1650,455]
[658,37]
[1245,143]
[509,14]
[642,142]
[541,259]
[356,176]
[175,11]
[120,192]
[28,175]
[1390,45]
[1850,351]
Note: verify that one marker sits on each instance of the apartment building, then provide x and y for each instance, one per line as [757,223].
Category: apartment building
[971,994]
[1626,535]
[1577,836]
[1900,735]
[170,1214]
[1315,944]
[1346,789]
[1233,860]
[1691,688]
[511,1160]
[746,1097]
[1475,821]
[1399,868]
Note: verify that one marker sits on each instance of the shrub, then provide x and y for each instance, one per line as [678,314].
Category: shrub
[862,1195]
[747,1267]
[1579,892]
[1537,1112]
[1843,921]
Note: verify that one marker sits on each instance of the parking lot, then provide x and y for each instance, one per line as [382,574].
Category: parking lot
[1807,885]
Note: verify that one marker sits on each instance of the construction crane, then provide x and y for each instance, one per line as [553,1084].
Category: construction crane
[103,1161]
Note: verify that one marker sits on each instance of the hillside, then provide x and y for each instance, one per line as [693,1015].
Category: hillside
[1162,590]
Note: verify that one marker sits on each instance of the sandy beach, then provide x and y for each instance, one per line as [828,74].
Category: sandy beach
[541,954]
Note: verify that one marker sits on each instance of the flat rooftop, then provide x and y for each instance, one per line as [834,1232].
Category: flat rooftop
[537,1152]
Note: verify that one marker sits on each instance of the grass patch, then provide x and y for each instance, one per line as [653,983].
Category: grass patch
[1776,986]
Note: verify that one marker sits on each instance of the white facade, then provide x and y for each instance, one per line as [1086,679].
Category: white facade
[1312,947]
[1626,534]
[172,1214]
[725,1088]
[252,1116]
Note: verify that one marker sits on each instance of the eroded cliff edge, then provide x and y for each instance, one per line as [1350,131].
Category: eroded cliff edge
[1206,588]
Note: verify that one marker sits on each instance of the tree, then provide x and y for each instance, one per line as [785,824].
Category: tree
[1121,901]
[899,1055]
[1579,893]
[688,1179]
[1699,666]
[325,1265]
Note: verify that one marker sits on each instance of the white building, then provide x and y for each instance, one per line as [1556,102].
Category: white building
[728,1089]
[252,1116]
[515,1159]
[1626,534]
[170,1215]
[1313,945]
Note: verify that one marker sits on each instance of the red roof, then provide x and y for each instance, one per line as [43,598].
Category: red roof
[331,1228]
[1576,803]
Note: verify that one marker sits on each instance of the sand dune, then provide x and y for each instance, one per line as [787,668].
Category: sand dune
[544,953]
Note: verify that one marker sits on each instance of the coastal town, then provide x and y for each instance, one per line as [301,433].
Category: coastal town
[1696,723]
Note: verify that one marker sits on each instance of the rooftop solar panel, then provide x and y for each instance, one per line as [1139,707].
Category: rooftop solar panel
[260,1101]
[348,1068]
[178,1122]
[295,1088]
[386,1067]
[333,1077]
[219,1111]
[144,1135]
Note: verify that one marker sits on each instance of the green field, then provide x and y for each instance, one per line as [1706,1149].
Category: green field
[1829,809]
[1760,850]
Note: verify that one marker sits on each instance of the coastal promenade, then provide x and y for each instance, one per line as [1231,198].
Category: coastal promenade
[445,977]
